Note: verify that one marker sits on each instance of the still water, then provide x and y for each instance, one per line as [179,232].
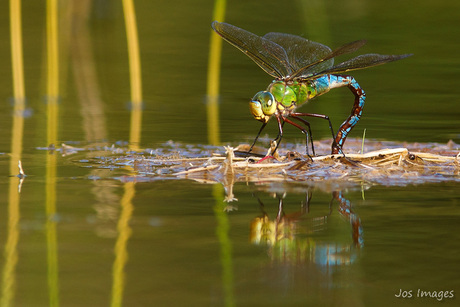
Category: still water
[75,233]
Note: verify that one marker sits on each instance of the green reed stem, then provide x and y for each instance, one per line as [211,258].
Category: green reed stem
[213,84]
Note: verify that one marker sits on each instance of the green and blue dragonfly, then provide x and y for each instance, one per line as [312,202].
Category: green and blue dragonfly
[303,70]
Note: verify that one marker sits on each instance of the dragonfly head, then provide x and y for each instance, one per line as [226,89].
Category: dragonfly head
[263,106]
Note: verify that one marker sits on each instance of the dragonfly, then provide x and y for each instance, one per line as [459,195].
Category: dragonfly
[303,69]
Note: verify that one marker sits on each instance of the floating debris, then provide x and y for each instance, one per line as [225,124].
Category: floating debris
[385,163]
[387,166]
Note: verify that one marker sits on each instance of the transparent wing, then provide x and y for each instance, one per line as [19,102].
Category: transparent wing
[287,56]
[270,56]
[302,52]
[322,63]
[362,61]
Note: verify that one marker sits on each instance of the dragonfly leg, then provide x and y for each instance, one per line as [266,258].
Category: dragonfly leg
[317,116]
[356,111]
[258,134]
[304,131]
[297,115]
[278,138]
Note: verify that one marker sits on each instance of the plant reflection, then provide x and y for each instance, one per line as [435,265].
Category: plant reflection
[305,237]
[10,252]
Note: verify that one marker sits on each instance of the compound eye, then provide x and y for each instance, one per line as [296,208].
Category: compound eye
[256,110]
[267,102]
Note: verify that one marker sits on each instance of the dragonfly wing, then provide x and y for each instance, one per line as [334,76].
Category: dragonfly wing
[270,56]
[362,61]
[302,52]
[314,67]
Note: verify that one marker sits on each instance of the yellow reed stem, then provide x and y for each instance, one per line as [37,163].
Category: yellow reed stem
[52,92]
[16,51]
[212,107]
[18,83]
[215,51]
[133,50]
[213,83]
[52,49]
[135,128]
[134,73]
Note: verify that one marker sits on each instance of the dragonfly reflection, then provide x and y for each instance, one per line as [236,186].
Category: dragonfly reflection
[303,236]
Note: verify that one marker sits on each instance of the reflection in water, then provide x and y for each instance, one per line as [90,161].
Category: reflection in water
[10,252]
[296,237]
[355,222]
[94,125]
[124,231]
[121,252]
[84,69]
[222,232]
[51,233]
[92,110]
